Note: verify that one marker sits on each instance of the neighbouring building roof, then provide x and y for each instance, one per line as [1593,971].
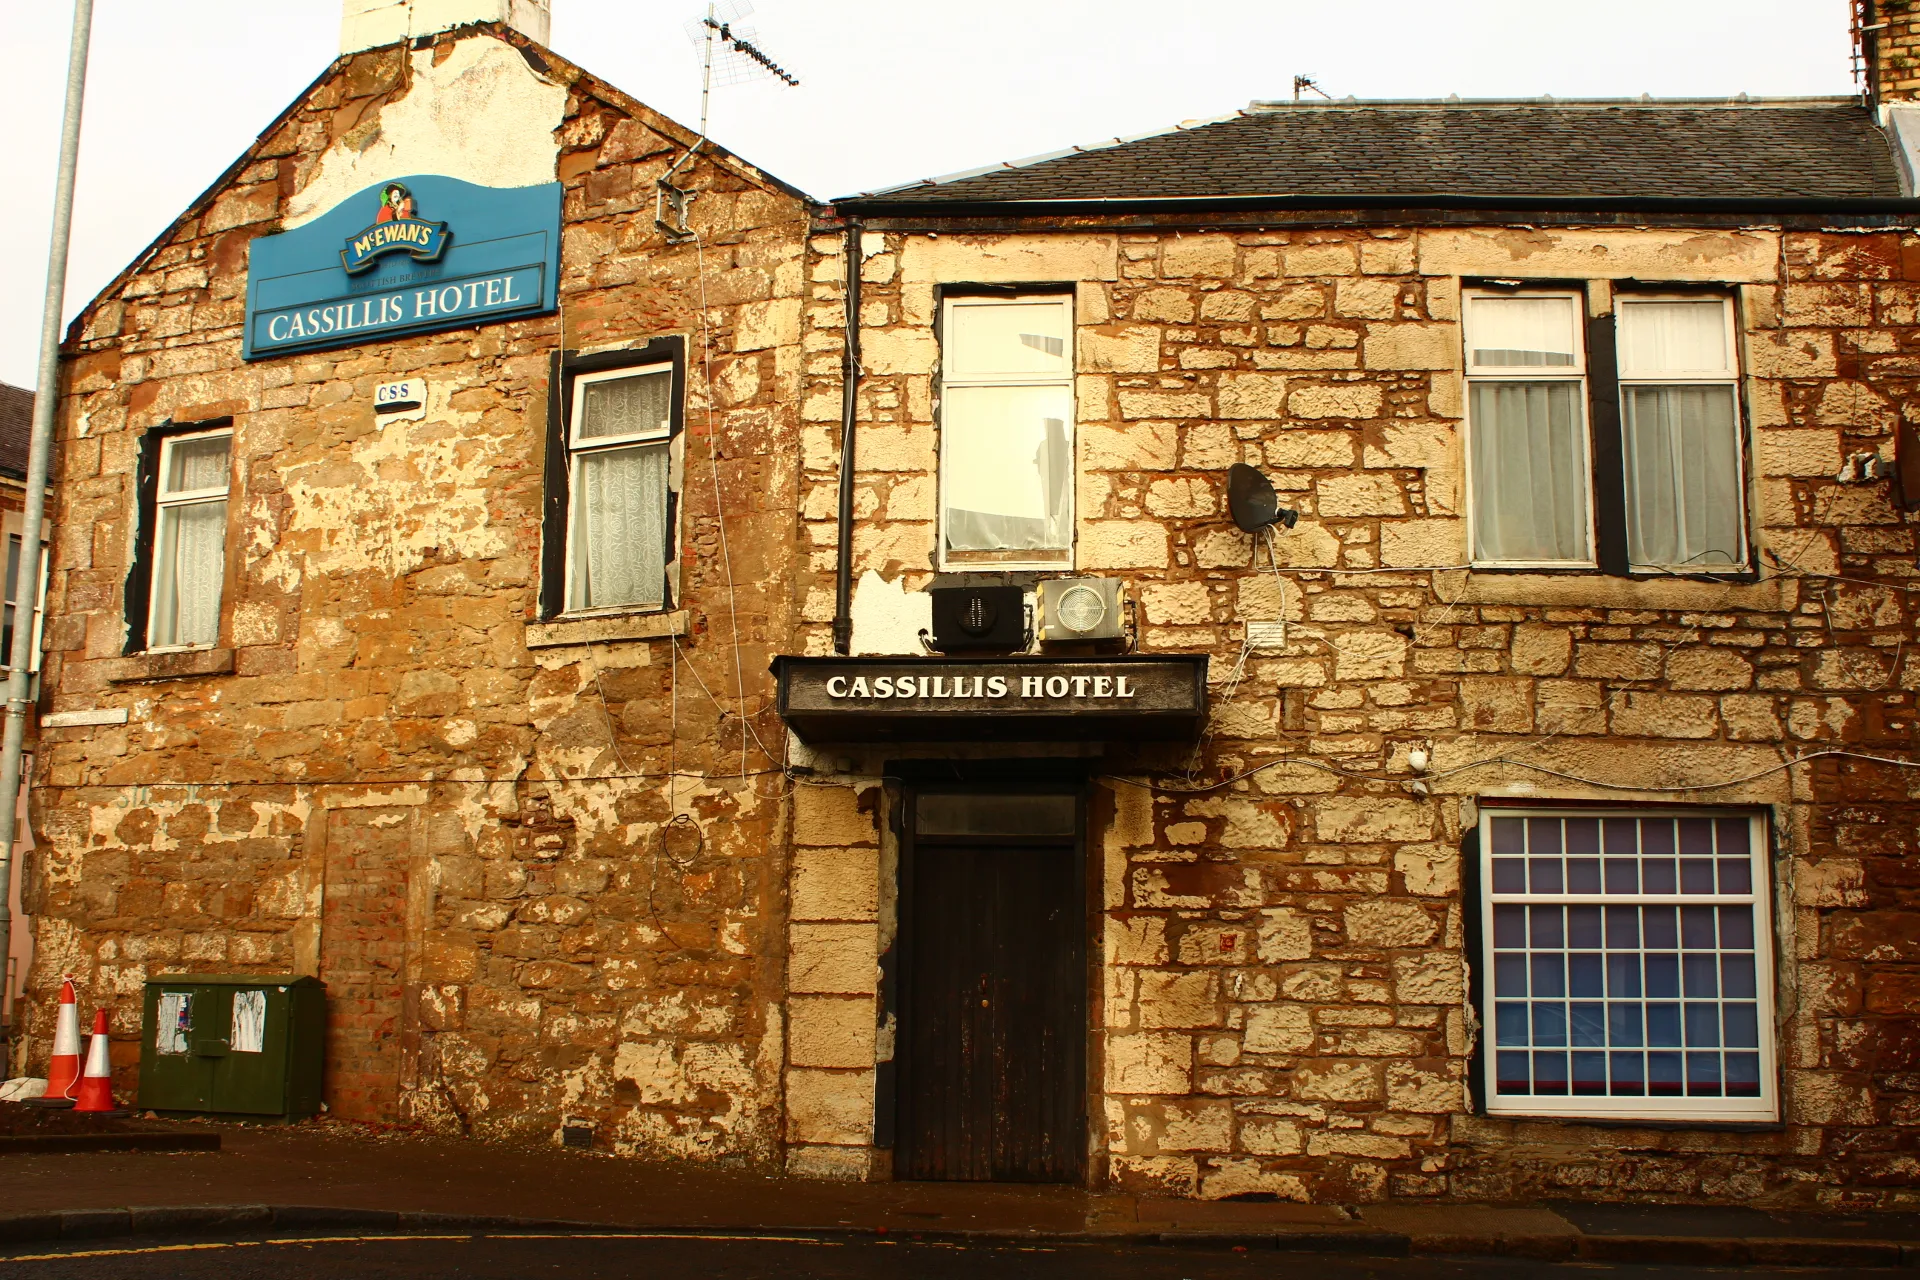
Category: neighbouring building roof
[16,429]
[1785,149]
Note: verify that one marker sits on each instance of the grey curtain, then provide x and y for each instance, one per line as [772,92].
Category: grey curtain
[1529,472]
[1683,476]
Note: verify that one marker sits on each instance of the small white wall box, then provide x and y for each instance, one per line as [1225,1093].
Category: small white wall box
[409,397]
[1075,609]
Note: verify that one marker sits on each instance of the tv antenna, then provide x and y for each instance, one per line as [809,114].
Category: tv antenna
[1302,83]
[728,56]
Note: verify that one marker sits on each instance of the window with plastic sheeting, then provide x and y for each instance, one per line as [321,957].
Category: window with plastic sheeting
[618,486]
[1627,965]
[1529,470]
[1006,431]
[190,540]
[1681,436]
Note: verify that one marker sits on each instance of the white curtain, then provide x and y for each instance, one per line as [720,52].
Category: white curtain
[620,527]
[192,566]
[1673,337]
[1529,472]
[1683,477]
[194,465]
[638,405]
[1007,468]
[1522,332]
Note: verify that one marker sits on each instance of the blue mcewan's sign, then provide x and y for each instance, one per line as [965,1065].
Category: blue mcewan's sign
[374,267]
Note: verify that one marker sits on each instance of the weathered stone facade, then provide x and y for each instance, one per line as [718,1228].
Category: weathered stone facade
[374,778]
[1285,1002]
[387,775]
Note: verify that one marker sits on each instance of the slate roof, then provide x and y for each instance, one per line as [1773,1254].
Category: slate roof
[16,429]
[1785,149]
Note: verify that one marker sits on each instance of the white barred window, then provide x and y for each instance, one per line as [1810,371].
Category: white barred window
[1627,965]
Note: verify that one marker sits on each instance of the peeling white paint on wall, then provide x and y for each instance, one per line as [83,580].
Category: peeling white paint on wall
[482,116]
[888,618]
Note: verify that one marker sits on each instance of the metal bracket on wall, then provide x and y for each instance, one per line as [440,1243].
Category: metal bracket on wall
[670,205]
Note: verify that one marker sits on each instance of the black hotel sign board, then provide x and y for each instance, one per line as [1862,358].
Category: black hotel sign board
[1138,696]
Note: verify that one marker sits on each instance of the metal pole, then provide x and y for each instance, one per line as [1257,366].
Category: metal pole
[46,403]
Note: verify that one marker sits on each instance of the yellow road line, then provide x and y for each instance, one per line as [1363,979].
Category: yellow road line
[464,1236]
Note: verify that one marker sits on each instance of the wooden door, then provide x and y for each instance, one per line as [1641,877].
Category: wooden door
[993,1005]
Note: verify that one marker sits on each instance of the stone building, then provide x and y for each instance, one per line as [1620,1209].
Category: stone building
[490,574]
[16,429]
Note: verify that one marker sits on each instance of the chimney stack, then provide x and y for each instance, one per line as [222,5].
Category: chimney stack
[1886,39]
[366,24]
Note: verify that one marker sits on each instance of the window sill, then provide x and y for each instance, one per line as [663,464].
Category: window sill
[172,664]
[1589,588]
[600,628]
[1665,1123]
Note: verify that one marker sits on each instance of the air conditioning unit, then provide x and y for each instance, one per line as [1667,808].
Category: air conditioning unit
[1079,609]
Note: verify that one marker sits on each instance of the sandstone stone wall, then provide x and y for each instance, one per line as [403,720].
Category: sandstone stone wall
[374,778]
[1285,994]
[1894,49]
[377,778]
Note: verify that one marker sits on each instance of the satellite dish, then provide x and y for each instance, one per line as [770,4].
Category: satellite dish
[1252,501]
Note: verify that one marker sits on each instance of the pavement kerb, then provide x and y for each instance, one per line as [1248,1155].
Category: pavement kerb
[98,1224]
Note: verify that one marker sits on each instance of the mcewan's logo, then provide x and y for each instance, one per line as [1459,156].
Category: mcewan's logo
[394,230]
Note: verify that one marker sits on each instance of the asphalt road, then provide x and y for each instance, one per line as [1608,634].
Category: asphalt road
[720,1257]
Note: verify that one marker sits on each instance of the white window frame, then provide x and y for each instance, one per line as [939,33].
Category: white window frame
[14,532]
[577,449]
[1728,377]
[1575,373]
[1762,1109]
[969,561]
[164,505]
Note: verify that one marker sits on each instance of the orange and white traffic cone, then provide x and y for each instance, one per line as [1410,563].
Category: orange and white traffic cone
[63,1072]
[96,1083]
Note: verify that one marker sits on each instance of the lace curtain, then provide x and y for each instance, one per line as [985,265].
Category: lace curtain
[620,537]
[193,561]
[639,405]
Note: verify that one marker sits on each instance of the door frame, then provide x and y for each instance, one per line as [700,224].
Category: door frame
[1043,776]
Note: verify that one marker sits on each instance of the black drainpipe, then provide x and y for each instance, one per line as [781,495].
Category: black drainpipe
[849,404]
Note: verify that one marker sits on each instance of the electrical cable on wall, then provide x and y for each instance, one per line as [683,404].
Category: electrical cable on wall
[1254,506]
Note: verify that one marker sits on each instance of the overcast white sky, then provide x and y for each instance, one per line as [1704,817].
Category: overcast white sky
[890,91]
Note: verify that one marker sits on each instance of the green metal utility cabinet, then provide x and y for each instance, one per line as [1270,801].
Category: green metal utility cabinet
[233,1044]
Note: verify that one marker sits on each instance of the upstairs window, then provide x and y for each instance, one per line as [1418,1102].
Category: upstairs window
[1529,470]
[1627,965]
[617,454]
[189,552]
[613,443]
[1006,431]
[1680,422]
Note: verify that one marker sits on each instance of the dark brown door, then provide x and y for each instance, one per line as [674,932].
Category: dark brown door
[993,1006]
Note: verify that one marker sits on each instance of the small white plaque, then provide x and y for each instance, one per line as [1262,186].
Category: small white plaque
[406,399]
[73,719]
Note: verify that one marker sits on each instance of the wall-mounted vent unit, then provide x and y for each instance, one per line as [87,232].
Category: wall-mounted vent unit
[1077,609]
[979,618]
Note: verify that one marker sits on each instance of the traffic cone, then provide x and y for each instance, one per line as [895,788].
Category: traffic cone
[63,1073]
[96,1084]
